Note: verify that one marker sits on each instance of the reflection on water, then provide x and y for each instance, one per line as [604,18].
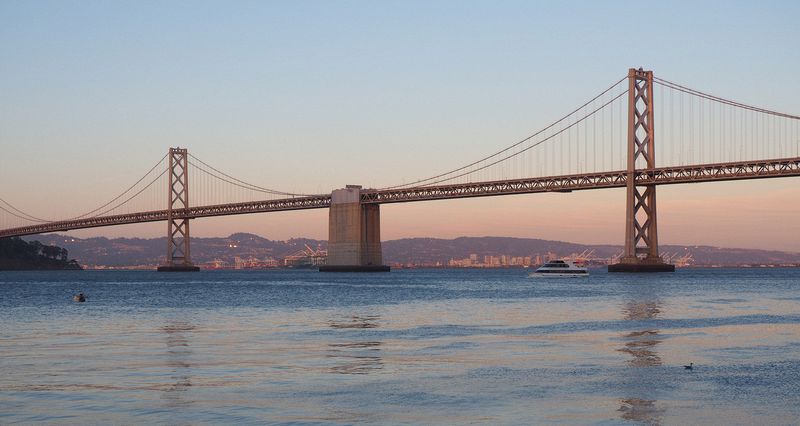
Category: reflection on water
[178,354]
[641,345]
[358,357]
[636,310]
[641,410]
[356,321]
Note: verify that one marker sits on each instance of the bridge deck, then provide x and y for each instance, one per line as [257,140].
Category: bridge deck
[659,176]
[616,179]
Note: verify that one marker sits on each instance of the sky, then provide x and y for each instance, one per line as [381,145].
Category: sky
[308,96]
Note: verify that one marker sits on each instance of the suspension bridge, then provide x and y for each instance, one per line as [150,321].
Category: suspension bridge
[607,142]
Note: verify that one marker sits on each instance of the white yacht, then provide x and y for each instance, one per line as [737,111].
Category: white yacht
[560,268]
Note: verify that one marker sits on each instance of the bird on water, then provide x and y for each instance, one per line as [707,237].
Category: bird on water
[689,367]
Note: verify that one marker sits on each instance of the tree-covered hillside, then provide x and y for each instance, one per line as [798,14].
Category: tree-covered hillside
[17,254]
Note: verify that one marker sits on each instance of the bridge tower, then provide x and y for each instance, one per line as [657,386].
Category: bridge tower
[354,234]
[641,232]
[178,253]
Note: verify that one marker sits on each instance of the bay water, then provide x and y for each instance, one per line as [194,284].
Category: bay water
[437,346]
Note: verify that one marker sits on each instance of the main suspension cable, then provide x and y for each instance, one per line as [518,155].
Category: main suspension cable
[25,216]
[124,192]
[704,95]
[514,145]
[134,195]
[240,183]
[534,145]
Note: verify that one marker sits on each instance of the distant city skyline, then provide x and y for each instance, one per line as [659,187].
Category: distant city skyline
[249,251]
[311,96]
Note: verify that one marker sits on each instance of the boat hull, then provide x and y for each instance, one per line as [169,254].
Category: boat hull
[560,275]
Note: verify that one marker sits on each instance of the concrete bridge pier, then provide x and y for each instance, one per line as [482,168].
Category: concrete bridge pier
[354,234]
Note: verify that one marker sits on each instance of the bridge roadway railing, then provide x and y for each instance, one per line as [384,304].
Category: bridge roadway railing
[616,179]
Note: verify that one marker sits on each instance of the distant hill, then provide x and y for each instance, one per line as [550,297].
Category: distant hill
[137,251]
[140,251]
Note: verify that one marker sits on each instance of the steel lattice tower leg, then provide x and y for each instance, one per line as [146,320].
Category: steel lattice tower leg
[641,232]
[178,253]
